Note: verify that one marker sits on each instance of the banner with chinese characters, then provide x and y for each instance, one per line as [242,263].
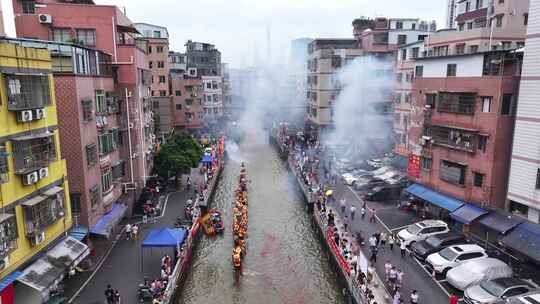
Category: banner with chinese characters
[413,167]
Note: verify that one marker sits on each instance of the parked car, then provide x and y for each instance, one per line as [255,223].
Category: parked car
[348,179]
[366,184]
[453,256]
[491,292]
[532,297]
[435,243]
[384,193]
[477,271]
[422,230]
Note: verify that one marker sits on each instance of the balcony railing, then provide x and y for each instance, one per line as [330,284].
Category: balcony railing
[27,91]
[460,103]
[33,152]
[451,137]
[42,211]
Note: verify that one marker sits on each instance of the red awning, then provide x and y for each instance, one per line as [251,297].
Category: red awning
[126,29]
[472,15]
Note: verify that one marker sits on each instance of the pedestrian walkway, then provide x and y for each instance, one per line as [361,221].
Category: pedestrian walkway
[123,267]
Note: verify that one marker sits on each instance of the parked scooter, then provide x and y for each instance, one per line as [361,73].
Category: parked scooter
[144,294]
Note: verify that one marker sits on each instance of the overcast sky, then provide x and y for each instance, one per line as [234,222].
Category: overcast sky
[238,27]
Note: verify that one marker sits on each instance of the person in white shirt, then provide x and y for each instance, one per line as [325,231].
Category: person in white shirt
[135,231]
[128,231]
[414,297]
[353,211]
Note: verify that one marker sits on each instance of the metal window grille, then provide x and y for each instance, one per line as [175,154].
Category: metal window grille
[94,195]
[91,155]
[32,154]
[8,232]
[453,138]
[87,110]
[27,91]
[43,214]
[101,103]
[462,103]
[453,172]
[87,36]
[106,181]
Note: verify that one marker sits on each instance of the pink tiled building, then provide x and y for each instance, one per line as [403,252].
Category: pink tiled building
[111,111]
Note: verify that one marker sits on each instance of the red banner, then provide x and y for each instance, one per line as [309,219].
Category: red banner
[413,167]
[341,260]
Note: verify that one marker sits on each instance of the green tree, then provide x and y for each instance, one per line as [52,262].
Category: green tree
[177,156]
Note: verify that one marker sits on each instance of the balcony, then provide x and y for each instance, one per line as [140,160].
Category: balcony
[8,234]
[33,152]
[458,139]
[458,103]
[26,92]
[43,210]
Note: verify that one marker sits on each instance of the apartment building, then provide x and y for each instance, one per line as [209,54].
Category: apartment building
[226,89]
[107,29]
[158,64]
[524,183]
[405,64]
[381,36]
[187,101]
[212,95]
[325,58]
[36,213]
[178,63]
[204,57]
[451,9]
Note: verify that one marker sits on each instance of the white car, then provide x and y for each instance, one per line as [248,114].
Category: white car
[453,256]
[348,179]
[421,231]
[477,271]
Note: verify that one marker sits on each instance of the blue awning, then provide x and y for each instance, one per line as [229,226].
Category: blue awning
[207,158]
[78,232]
[165,237]
[109,220]
[500,222]
[9,279]
[525,238]
[467,213]
[434,197]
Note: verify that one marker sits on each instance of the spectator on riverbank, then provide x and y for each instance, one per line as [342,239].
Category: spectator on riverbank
[402,248]
[391,241]
[342,205]
[353,211]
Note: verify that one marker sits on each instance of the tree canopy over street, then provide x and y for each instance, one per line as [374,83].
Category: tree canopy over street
[177,156]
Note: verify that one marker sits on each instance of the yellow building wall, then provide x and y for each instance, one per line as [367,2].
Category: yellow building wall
[21,57]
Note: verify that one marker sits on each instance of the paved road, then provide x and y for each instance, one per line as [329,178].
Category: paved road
[415,277]
[123,268]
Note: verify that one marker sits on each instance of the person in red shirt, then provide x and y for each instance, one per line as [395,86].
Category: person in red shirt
[453,299]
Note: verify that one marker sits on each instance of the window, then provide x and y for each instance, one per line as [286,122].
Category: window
[8,232]
[467,6]
[106,181]
[402,39]
[101,103]
[215,84]
[399,25]
[399,77]
[3,164]
[451,69]
[149,49]
[479,4]
[75,200]
[189,102]
[419,71]
[486,104]
[473,48]
[478,179]
[107,143]
[404,54]
[506,105]
[162,93]
[94,196]
[178,93]
[157,34]
[119,170]
[537,186]
[86,106]
[161,78]
[415,52]
[499,20]
[178,107]
[460,48]
[461,27]
[336,61]
[518,209]
[453,172]
[153,93]
[469,25]
[413,26]
[430,100]
[29,7]
[159,49]
[61,35]
[86,36]
[209,85]
[161,64]
[150,64]
[525,19]
[91,155]
[426,163]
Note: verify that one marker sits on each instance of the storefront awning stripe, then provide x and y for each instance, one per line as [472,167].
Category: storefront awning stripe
[500,222]
[524,238]
[9,279]
[468,213]
[433,197]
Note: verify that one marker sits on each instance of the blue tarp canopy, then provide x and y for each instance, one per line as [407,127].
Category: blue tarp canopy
[165,237]
[109,220]
[9,279]
[500,222]
[207,158]
[434,197]
[524,238]
[467,213]
[78,232]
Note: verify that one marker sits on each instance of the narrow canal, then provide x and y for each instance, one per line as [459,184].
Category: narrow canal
[285,262]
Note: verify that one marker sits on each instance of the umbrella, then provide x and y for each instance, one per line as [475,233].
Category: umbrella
[329,192]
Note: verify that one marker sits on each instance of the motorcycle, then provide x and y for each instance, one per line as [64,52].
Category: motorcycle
[144,294]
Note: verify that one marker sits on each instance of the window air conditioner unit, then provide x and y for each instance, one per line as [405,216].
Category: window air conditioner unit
[4,263]
[43,172]
[38,239]
[192,72]
[24,116]
[40,114]
[45,18]
[31,178]
[131,125]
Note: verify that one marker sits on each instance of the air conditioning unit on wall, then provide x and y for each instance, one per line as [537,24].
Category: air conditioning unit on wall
[30,178]
[38,239]
[43,172]
[4,263]
[45,18]
[40,114]
[25,116]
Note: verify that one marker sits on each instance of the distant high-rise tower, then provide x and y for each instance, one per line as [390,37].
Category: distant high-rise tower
[451,12]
